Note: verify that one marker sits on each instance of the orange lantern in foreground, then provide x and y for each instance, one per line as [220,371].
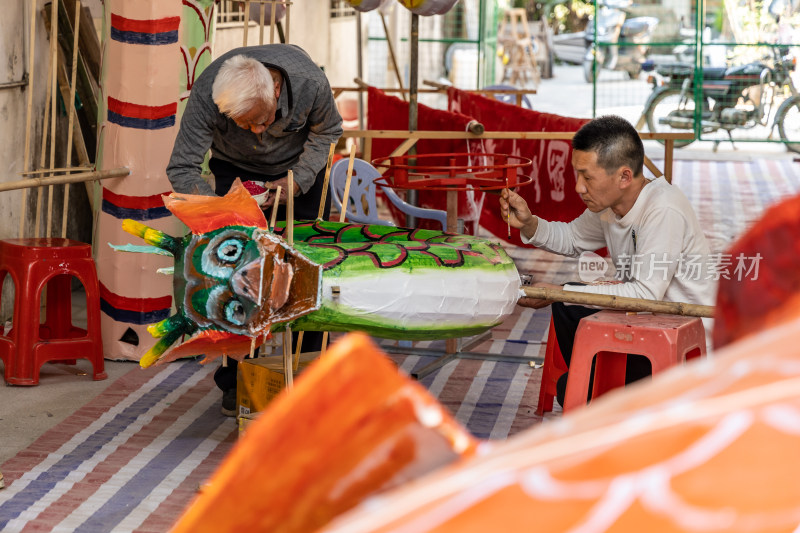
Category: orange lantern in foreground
[711,446]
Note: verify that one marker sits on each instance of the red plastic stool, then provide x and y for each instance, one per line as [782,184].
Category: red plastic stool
[664,339]
[554,368]
[34,264]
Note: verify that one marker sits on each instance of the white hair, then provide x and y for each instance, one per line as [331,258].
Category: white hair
[242,84]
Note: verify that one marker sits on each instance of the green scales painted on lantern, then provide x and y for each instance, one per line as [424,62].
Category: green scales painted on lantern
[243,281]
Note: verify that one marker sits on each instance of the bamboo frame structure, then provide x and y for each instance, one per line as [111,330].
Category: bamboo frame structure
[615,302]
[411,138]
[60,180]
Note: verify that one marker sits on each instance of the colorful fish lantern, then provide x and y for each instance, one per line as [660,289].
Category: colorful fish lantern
[235,281]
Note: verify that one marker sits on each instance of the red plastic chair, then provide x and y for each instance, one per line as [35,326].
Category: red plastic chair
[52,262]
[611,335]
[554,368]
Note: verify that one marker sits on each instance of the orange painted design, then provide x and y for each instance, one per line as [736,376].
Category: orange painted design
[709,446]
[351,427]
[207,213]
[213,344]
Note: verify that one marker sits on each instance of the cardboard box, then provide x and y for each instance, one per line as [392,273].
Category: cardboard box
[259,380]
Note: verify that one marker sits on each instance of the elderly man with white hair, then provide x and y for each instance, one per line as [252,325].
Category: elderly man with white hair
[262,110]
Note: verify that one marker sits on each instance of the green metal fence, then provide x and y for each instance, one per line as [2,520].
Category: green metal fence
[742,53]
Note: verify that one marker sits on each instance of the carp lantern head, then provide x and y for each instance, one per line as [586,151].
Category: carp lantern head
[233,279]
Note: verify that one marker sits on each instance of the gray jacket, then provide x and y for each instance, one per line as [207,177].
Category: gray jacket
[306,123]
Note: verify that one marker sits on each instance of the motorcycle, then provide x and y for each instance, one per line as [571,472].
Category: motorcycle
[739,97]
[621,43]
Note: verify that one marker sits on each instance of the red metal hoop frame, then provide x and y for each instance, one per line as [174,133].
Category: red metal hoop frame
[498,171]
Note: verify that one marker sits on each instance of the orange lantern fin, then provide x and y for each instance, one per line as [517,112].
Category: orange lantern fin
[208,213]
[213,343]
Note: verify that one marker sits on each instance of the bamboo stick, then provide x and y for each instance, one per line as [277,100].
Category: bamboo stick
[404,147]
[261,25]
[57,180]
[653,168]
[616,302]
[274,216]
[290,208]
[252,347]
[26,164]
[272,22]
[43,154]
[288,20]
[392,56]
[246,21]
[346,195]
[296,363]
[325,182]
[288,373]
[324,343]
[71,110]
[669,148]
[53,82]
[49,170]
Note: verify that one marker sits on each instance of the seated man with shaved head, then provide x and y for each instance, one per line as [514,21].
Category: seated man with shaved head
[648,226]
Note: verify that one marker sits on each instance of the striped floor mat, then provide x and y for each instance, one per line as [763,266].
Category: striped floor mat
[129,460]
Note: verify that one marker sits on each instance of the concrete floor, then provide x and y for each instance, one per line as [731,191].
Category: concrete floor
[27,412]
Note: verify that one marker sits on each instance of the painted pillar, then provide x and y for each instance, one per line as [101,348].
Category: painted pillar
[152,52]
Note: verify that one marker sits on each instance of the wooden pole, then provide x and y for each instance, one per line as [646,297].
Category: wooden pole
[49,170]
[346,195]
[47,108]
[274,216]
[325,182]
[324,343]
[261,24]
[288,373]
[272,23]
[290,209]
[615,302]
[58,180]
[391,55]
[71,110]
[296,363]
[53,82]
[669,147]
[26,164]
[246,22]
[288,21]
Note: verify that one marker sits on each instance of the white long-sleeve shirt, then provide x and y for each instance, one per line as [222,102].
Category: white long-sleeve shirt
[658,247]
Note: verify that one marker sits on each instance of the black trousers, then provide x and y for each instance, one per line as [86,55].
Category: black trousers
[565,323]
[306,207]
